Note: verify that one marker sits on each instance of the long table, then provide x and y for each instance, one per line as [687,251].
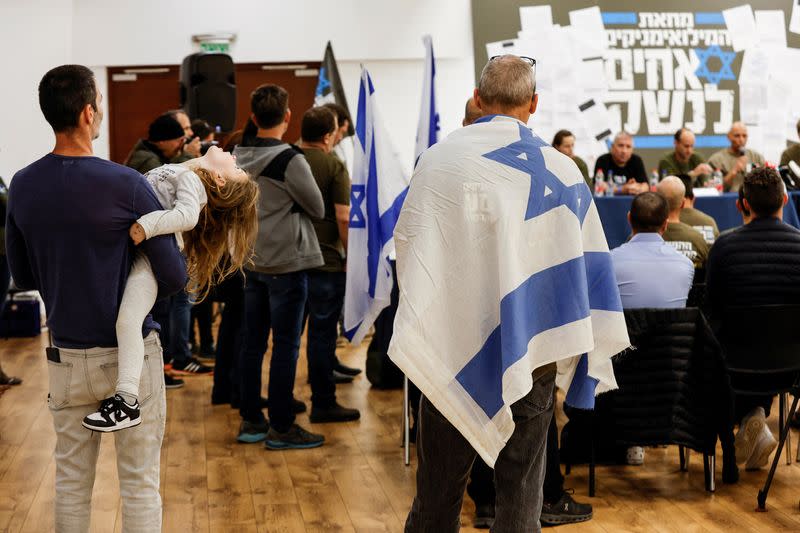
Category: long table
[613,212]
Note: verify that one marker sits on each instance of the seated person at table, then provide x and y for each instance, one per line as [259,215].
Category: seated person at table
[682,236]
[622,167]
[756,264]
[700,221]
[646,258]
[736,160]
[747,216]
[564,142]
[684,160]
[793,152]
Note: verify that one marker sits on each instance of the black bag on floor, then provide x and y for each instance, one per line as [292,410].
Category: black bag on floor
[20,317]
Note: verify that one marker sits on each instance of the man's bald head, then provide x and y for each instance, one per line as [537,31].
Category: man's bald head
[471,112]
[673,191]
[507,86]
[737,127]
[737,136]
[684,144]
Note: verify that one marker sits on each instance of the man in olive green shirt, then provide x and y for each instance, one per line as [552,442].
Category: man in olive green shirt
[682,236]
[326,284]
[695,218]
[684,160]
[793,152]
[735,161]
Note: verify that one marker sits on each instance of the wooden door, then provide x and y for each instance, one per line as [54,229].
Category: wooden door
[299,79]
[137,95]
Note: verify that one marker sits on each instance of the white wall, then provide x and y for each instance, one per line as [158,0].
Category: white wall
[37,36]
[384,35]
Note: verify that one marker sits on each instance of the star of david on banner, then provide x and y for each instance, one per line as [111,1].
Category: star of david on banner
[725,71]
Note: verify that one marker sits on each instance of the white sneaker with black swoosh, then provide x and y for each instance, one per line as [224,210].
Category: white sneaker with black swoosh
[114,414]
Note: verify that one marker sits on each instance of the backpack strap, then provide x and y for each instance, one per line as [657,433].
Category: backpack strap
[276,169]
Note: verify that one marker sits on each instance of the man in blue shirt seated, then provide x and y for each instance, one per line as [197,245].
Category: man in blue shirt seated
[649,271]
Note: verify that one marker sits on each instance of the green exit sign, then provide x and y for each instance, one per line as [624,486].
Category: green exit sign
[220,48]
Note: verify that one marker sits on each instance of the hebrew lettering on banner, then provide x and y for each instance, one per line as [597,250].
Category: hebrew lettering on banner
[670,69]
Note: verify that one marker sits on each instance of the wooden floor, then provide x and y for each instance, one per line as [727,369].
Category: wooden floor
[355,482]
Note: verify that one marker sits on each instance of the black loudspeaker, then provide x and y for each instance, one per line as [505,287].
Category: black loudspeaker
[208,89]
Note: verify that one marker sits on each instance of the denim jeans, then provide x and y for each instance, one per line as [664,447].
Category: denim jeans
[180,321]
[445,459]
[325,301]
[277,302]
[77,384]
[481,478]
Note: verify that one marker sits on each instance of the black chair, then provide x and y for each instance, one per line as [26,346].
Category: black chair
[697,296]
[762,351]
[673,389]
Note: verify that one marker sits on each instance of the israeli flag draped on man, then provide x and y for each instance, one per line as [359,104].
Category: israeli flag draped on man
[503,267]
[379,186]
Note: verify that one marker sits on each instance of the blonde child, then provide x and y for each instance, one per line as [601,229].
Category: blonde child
[210,205]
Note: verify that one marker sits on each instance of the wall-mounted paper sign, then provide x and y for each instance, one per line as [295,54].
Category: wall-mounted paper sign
[741,27]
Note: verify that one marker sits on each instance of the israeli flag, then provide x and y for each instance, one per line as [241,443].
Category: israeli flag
[379,187]
[428,126]
[503,268]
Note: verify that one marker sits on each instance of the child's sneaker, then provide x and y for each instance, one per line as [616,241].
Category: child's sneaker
[114,414]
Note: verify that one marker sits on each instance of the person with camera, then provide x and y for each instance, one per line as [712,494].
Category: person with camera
[205,134]
[193,147]
[165,141]
[736,160]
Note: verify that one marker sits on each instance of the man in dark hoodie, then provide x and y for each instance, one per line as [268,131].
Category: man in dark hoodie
[276,289]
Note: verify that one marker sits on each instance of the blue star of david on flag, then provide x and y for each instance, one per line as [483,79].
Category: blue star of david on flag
[323,82]
[357,197]
[547,191]
[726,69]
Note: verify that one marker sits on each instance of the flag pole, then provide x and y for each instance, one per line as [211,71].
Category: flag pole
[406,424]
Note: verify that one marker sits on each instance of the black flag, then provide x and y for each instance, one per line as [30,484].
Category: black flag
[329,86]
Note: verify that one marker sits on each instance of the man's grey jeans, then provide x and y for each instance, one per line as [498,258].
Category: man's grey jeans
[445,459]
[77,385]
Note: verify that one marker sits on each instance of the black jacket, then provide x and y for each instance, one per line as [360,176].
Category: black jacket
[757,264]
[673,389]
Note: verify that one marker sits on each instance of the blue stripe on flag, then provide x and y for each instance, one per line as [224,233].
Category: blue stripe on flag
[361,123]
[389,218]
[548,299]
[667,141]
[433,126]
[374,244]
[708,19]
[620,17]
[351,332]
[581,390]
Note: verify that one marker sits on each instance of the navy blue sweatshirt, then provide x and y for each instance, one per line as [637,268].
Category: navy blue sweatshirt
[67,237]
